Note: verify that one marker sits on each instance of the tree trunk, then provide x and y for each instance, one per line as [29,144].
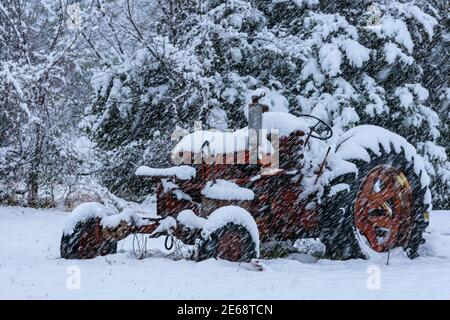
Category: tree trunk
[33,176]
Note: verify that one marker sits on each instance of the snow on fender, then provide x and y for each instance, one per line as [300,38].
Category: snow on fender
[84,212]
[354,144]
[234,214]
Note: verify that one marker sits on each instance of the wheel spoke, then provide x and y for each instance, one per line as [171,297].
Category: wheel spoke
[384,222]
[389,225]
[370,233]
[379,221]
[375,200]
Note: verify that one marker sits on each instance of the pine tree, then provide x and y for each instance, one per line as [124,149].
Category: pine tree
[347,62]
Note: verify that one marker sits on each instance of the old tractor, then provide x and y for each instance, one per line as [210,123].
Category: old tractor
[234,194]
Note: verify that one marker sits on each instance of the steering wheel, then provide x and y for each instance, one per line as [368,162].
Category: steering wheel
[328,130]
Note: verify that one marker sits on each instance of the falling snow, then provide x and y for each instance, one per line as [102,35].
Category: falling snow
[100,115]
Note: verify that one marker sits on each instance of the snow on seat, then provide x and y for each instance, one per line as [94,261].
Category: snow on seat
[226,190]
[218,142]
[180,172]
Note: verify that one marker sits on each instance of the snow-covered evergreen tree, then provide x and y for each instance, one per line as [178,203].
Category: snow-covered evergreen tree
[158,65]
[348,63]
[136,70]
[35,67]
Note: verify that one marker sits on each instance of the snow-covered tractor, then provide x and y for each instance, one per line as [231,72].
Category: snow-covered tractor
[235,194]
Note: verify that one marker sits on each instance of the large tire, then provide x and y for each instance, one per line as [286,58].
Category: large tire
[344,226]
[231,242]
[86,242]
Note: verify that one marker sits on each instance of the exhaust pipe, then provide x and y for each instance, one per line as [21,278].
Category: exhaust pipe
[255,111]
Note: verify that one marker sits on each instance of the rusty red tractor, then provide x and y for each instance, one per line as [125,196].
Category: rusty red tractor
[235,194]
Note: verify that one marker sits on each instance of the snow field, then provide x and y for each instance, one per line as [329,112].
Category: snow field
[30,268]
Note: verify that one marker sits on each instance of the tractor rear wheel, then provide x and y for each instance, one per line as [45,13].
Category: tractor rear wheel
[86,241]
[382,208]
[231,242]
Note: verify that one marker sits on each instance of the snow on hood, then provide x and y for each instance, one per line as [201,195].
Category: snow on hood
[236,141]
[227,190]
[219,142]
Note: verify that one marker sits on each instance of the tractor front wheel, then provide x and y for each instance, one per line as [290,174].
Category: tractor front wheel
[230,242]
[230,233]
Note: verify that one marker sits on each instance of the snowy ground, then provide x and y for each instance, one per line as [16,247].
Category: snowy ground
[30,268]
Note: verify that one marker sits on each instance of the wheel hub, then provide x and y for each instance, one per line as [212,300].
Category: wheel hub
[383,208]
[229,247]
